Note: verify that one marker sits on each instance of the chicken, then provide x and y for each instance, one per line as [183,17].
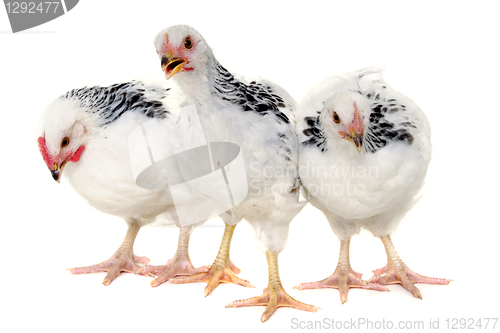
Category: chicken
[258,117]
[85,133]
[364,153]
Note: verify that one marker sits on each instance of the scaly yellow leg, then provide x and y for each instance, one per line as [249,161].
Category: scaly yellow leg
[221,271]
[274,296]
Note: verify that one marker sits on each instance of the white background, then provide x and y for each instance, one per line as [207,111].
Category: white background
[444,55]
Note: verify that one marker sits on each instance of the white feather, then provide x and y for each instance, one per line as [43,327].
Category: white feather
[369,190]
[272,201]
[104,174]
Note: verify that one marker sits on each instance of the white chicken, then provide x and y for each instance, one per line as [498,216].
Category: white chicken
[364,153]
[85,133]
[258,117]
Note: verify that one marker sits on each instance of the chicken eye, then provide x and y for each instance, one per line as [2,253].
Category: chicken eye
[64,142]
[336,117]
[187,43]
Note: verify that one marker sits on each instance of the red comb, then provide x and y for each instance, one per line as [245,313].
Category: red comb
[43,150]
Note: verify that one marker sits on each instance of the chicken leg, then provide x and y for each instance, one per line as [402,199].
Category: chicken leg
[124,260]
[343,278]
[274,296]
[397,272]
[180,264]
[221,271]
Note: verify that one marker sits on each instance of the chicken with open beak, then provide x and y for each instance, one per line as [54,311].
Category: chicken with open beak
[171,64]
[258,116]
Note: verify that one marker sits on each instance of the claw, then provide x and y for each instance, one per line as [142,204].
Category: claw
[343,278]
[124,260]
[173,268]
[274,296]
[213,277]
[397,272]
[221,271]
[114,266]
[179,265]
[272,299]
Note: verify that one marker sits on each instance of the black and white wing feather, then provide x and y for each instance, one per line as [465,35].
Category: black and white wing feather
[111,102]
[393,118]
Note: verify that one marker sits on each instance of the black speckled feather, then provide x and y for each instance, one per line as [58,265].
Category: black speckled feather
[315,133]
[110,103]
[380,130]
[253,97]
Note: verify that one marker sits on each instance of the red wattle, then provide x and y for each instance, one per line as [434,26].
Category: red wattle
[76,156]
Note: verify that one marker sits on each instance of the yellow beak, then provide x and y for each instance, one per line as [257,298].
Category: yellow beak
[171,66]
